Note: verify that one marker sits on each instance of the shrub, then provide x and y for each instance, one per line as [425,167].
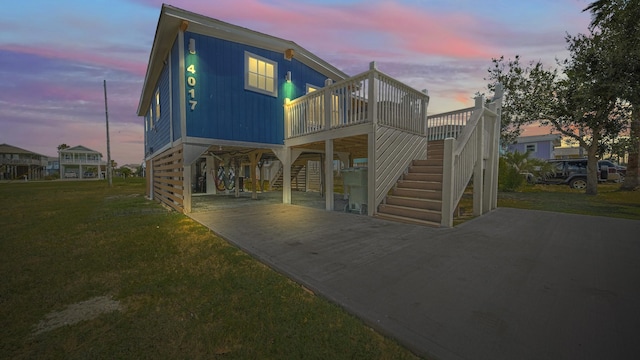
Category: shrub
[509,178]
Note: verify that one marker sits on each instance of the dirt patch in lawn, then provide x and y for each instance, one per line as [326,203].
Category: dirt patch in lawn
[75,313]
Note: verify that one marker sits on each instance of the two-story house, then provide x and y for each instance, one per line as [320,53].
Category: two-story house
[218,97]
[17,163]
[80,162]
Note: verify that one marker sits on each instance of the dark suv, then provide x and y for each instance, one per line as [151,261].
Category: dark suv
[573,172]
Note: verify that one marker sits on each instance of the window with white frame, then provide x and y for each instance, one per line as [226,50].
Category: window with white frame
[530,148]
[151,117]
[157,114]
[261,74]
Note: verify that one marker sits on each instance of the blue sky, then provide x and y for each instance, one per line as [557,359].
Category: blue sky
[54,55]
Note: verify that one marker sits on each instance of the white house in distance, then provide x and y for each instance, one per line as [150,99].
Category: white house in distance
[80,162]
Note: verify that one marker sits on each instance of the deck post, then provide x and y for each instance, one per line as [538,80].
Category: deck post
[423,115]
[328,174]
[372,110]
[328,111]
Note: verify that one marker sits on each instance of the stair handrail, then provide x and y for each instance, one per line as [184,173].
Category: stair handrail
[473,153]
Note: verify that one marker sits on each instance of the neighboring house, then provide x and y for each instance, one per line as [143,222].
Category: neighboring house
[539,147]
[80,162]
[570,152]
[219,100]
[17,163]
[53,166]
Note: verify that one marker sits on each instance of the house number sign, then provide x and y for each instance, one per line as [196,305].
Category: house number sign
[191,86]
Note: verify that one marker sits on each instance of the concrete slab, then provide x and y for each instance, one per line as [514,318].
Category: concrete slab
[513,284]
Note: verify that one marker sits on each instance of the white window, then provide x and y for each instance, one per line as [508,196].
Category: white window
[260,74]
[530,148]
[157,114]
[151,117]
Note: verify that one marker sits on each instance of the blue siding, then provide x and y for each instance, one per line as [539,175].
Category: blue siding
[543,149]
[158,134]
[225,110]
[175,91]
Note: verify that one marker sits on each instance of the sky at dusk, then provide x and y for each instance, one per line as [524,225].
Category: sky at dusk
[54,55]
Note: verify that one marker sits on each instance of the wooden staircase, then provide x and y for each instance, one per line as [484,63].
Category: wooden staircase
[417,196]
[298,179]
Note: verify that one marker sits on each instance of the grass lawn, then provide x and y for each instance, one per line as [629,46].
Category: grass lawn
[610,201]
[91,272]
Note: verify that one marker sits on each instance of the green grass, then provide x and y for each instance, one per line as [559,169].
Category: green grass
[186,294]
[609,201]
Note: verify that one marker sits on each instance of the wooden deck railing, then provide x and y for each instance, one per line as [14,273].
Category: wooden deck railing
[449,124]
[348,102]
[474,153]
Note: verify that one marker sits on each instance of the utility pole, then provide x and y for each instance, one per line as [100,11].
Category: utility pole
[106,112]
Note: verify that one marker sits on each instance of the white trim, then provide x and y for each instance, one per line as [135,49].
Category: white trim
[311,86]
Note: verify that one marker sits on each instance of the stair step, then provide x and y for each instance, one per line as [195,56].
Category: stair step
[422,177]
[409,212]
[430,204]
[407,220]
[418,193]
[428,162]
[419,184]
[434,169]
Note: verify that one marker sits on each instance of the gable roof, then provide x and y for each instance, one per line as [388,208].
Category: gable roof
[171,18]
[80,149]
[10,149]
[553,138]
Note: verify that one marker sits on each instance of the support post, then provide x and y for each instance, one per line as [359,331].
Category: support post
[286,176]
[254,178]
[236,178]
[372,109]
[328,174]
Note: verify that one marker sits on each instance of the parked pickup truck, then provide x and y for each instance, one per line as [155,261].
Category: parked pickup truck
[573,172]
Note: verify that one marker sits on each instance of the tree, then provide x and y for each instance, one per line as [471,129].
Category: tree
[125,171]
[616,21]
[577,102]
[62,147]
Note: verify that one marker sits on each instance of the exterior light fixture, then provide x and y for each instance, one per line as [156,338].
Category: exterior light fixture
[288,76]
[192,46]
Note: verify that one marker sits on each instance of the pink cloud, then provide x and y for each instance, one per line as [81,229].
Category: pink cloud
[355,27]
[80,55]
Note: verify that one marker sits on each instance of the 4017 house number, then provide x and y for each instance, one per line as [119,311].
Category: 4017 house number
[191,83]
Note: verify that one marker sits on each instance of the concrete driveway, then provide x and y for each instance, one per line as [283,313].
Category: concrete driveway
[513,284]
